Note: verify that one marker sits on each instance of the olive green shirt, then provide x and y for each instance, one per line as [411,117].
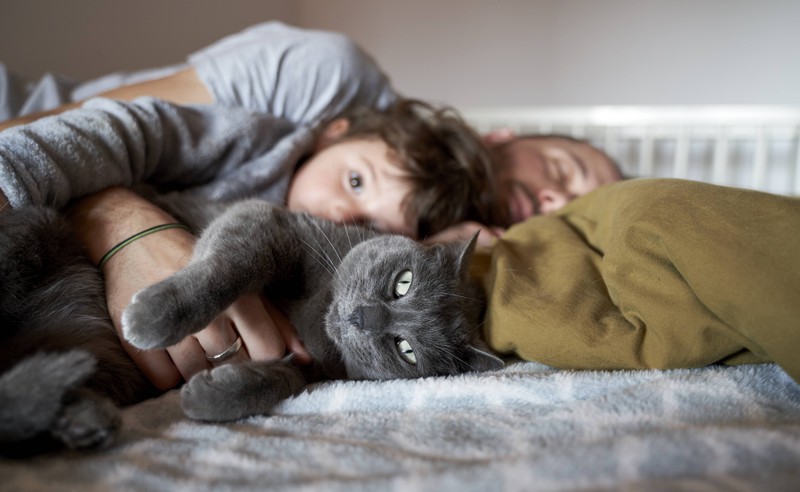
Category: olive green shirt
[650,273]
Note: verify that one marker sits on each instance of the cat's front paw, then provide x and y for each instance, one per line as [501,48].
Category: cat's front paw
[157,317]
[212,395]
[235,391]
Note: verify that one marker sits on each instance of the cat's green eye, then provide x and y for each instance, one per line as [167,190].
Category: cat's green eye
[405,351]
[402,283]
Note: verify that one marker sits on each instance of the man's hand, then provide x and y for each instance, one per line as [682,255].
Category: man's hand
[464,231]
[105,219]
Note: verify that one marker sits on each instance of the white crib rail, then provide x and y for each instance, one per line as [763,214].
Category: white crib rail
[755,147]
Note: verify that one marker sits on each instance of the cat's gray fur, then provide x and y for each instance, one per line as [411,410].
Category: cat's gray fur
[61,362]
[335,283]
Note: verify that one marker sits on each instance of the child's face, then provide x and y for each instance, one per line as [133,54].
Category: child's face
[353,182]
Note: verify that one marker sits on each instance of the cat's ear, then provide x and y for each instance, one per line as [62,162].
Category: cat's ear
[478,359]
[465,254]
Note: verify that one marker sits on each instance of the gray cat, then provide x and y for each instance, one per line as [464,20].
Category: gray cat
[367,306]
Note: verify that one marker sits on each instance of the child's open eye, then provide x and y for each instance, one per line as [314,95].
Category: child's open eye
[405,351]
[354,180]
[402,283]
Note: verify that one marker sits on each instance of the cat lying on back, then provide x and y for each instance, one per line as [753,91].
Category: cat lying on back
[367,306]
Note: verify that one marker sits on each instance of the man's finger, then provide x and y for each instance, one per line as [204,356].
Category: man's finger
[262,337]
[288,333]
[156,365]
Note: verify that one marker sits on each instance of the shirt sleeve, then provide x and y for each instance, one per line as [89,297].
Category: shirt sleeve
[112,143]
[302,75]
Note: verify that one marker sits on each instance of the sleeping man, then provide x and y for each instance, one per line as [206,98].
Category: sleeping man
[539,174]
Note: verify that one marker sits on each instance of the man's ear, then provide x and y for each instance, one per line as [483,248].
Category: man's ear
[332,132]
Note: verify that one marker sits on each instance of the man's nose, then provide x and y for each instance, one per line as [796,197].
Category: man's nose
[551,200]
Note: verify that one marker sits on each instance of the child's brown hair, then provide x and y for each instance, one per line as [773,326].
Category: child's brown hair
[448,166]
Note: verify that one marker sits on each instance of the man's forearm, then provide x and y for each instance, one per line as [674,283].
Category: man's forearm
[183,87]
[104,219]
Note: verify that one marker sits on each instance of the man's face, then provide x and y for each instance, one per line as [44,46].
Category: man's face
[540,175]
[353,182]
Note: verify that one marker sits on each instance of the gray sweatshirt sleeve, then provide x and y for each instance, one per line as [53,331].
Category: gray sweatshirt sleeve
[302,75]
[107,143]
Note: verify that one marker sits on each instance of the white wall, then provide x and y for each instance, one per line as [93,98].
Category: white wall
[464,52]
[474,52]
[89,38]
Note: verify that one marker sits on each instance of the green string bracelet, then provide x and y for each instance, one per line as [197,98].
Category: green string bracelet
[140,235]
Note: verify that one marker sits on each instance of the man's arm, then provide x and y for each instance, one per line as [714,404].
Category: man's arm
[183,87]
[103,220]
[107,218]
[112,143]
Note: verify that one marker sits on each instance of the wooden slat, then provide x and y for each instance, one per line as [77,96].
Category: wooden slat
[646,150]
[759,176]
[720,165]
[610,142]
[681,163]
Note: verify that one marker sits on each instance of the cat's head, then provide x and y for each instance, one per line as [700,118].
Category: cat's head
[401,309]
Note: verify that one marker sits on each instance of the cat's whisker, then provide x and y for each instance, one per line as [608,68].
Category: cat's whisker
[317,256]
[462,297]
[325,235]
[462,361]
[322,251]
[328,263]
[347,232]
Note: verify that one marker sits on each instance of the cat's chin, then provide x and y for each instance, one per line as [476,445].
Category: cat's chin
[358,373]
[345,337]
[340,331]
[334,332]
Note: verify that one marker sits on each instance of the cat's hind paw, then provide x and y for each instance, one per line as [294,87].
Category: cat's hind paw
[88,422]
[33,390]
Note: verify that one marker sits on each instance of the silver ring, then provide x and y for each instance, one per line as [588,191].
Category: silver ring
[227,353]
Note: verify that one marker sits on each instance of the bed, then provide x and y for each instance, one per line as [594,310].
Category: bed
[527,426]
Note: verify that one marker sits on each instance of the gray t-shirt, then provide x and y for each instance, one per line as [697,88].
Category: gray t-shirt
[303,75]
[299,74]
[297,77]
[216,152]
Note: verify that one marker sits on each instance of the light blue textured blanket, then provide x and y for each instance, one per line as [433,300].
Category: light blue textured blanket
[526,427]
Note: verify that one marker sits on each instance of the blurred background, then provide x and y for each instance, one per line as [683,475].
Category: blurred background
[461,52]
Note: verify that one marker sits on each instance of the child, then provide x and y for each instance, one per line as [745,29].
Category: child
[409,169]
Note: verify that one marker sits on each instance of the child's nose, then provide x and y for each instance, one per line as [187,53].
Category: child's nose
[343,213]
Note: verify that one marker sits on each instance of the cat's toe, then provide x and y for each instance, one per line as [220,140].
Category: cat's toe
[149,321]
[208,395]
[87,423]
